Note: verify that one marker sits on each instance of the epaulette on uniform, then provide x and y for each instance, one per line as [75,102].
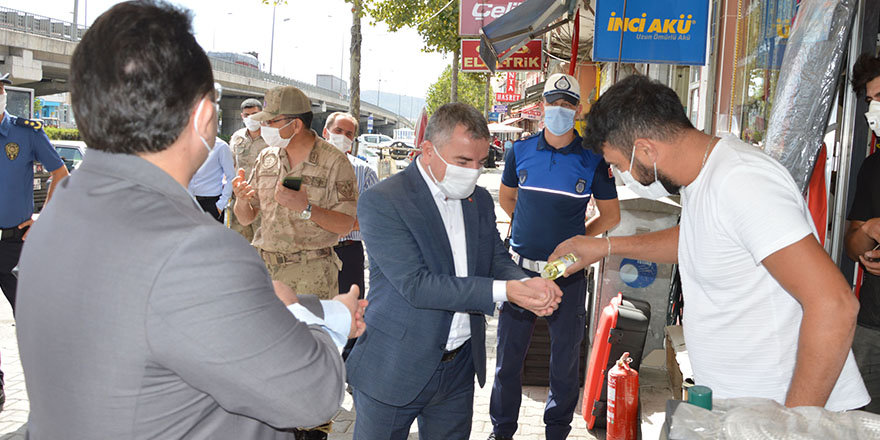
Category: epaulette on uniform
[22,122]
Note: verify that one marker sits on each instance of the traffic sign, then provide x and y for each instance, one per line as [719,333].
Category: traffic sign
[370,124]
[499,108]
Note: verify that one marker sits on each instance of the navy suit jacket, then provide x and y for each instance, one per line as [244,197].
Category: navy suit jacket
[413,288]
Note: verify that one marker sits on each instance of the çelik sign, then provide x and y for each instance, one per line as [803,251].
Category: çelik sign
[527,58]
[474,14]
[654,31]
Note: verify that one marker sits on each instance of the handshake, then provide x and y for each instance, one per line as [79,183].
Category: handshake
[536,295]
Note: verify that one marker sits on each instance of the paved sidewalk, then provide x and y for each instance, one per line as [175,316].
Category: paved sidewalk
[655,389]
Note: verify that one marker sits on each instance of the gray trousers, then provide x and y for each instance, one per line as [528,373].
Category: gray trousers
[866,349]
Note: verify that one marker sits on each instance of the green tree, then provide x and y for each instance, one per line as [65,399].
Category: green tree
[435,20]
[38,107]
[471,90]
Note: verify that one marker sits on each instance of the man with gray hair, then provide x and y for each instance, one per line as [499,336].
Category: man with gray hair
[340,130]
[437,267]
[246,145]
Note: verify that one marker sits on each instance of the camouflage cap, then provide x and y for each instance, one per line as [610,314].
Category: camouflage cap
[284,100]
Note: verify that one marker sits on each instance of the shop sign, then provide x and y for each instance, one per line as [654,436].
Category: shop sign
[507,97]
[499,108]
[494,116]
[532,112]
[474,14]
[654,31]
[526,58]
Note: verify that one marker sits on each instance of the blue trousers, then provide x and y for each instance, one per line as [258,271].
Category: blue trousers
[515,328]
[444,409]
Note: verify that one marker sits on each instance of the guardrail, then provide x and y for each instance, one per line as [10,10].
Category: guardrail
[227,66]
[39,25]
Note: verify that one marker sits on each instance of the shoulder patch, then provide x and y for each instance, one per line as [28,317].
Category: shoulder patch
[346,190]
[269,160]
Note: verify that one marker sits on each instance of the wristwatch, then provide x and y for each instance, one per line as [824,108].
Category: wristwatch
[307,213]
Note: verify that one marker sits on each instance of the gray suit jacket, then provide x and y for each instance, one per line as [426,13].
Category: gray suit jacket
[139,317]
[413,288]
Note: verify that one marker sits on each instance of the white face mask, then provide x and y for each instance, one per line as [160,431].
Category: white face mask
[273,138]
[459,182]
[654,191]
[195,120]
[2,103]
[340,141]
[873,116]
[251,124]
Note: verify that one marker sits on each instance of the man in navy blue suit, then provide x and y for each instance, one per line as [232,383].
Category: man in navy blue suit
[437,267]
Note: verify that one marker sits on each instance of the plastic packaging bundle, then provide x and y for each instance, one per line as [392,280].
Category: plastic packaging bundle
[765,419]
[807,85]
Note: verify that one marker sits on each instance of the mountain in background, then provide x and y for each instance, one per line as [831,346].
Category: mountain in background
[409,106]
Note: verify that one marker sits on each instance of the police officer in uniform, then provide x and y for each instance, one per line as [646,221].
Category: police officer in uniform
[548,181]
[24,142]
[246,144]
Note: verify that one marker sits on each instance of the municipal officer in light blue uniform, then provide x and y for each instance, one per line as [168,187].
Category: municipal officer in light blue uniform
[23,142]
[547,183]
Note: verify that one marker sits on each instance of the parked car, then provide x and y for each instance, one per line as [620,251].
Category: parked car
[71,152]
[41,186]
[373,140]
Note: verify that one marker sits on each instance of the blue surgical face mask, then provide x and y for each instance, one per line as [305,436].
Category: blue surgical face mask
[559,120]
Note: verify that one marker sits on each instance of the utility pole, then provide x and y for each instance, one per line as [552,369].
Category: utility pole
[73,31]
[272,44]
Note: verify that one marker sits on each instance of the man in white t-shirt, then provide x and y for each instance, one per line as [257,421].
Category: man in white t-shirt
[767,313]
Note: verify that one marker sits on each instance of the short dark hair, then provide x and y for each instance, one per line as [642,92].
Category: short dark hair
[447,117]
[251,103]
[866,68]
[635,107]
[135,77]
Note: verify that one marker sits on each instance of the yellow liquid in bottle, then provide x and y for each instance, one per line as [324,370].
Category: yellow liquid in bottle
[556,269]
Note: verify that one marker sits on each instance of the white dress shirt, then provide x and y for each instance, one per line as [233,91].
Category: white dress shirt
[453,220]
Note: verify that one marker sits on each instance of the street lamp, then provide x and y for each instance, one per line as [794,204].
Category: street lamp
[272,46]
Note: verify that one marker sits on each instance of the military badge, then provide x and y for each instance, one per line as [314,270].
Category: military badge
[580,186]
[12,150]
[270,160]
[313,157]
[346,190]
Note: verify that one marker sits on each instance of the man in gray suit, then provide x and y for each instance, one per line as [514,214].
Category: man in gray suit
[153,320]
[437,267]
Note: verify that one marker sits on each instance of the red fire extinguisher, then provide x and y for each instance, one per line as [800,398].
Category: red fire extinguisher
[623,401]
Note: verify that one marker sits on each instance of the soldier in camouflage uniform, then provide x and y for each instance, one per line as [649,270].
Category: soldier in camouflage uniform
[246,145]
[299,228]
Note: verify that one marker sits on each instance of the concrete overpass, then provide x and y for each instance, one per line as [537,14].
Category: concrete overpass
[37,50]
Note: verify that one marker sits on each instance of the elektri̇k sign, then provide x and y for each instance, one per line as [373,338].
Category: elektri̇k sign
[653,31]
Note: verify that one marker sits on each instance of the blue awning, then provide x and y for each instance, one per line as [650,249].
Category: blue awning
[523,23]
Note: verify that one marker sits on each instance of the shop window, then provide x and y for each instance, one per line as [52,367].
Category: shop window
[762,35]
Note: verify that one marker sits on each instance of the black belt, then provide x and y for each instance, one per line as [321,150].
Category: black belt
[345,243]
[13,234]
[450,355]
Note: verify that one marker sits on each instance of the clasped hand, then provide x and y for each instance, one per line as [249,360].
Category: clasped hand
[536,295]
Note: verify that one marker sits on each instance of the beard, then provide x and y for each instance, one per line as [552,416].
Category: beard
[671,188]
